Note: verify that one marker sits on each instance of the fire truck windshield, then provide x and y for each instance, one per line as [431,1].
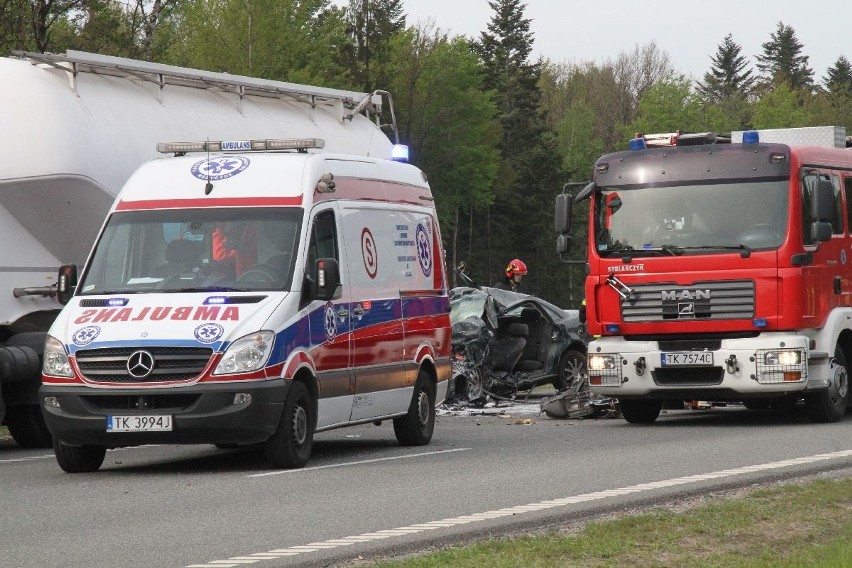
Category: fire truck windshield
[691,218]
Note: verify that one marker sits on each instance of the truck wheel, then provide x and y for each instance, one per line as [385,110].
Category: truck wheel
[640,411]
[571,370]
[829,405]
[78,459]
[290,446]
[26,425]
[416,427]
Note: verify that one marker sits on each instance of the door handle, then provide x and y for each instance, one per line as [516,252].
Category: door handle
[343,313]
[358,311]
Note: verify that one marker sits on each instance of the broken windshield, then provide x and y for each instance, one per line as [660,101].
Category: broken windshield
[685,219]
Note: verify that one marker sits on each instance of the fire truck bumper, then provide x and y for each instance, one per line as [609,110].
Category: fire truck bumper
[727,369]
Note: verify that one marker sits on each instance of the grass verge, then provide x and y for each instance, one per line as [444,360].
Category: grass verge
[807,525]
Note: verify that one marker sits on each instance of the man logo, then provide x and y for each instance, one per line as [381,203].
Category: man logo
[140,364]
[680,295]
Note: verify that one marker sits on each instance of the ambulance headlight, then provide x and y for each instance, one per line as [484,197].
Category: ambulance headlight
[246,354]
[55,359]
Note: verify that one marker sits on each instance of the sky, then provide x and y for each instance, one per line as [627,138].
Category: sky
[690,31]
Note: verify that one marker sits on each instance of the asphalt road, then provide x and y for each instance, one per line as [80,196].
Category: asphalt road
[364,495]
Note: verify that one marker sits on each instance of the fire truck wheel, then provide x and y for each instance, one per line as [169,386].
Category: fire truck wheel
[78,459]
[829,405]
[415,428]
[290,446]
[27,426]
[640,411]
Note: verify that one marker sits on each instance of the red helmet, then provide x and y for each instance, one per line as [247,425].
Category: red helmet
[516,266]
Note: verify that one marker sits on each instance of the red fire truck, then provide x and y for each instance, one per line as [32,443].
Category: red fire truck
[719,269]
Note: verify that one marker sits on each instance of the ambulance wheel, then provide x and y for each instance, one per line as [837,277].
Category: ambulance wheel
[78,459]
[290,446]
[416,427]
[640,411]
[829,405]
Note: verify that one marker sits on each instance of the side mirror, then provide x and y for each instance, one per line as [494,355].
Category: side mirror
[66,283]
[326,279]
[562,215]
[563,244]
[822,210]
[821,231]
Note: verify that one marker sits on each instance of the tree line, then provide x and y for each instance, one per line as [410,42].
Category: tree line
[498,133]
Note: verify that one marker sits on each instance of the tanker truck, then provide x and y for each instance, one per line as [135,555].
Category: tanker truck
[76,126]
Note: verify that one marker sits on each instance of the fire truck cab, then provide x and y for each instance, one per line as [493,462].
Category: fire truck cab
[719,269]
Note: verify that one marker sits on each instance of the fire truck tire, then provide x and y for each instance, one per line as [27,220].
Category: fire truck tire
[290,446]
[829,405]
[640,411]
[416,427]
[27,426]
[78,459]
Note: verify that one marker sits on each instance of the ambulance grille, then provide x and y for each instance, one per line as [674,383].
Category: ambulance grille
[170,363]
[716,300]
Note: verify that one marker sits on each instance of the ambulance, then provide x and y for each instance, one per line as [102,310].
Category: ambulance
[252,292]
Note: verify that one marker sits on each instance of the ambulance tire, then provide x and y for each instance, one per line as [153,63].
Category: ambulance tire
[829,405]
[290,446]
[640,411]
[416,427]
[78,459]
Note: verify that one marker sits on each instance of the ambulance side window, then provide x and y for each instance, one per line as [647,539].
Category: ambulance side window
[323,242]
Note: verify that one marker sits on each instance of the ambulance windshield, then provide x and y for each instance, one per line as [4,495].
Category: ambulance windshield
[691,219]
[187,250]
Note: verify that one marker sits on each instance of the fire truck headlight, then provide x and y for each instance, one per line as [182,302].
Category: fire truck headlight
[783,357]
[246,354]
[601,362]
[55,359]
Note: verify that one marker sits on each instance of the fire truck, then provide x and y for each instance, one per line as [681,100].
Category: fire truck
[718,269]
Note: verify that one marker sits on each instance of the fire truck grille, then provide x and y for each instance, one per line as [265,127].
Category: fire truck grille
[689,376]
[114,365]
[715,300]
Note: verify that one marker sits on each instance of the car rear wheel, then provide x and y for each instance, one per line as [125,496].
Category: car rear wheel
[571,370]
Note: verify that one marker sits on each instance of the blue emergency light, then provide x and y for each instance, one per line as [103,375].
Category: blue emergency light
[636,144]
[751,137]
[399,153]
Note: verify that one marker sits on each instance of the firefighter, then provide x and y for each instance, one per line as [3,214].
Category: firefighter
[515,271]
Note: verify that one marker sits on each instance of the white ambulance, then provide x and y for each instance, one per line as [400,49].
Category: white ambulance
[252,291]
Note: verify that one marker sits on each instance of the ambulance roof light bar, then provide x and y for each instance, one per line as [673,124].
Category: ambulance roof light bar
[300,144]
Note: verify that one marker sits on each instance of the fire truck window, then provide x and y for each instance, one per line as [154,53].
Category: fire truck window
[837,222]
[848,187]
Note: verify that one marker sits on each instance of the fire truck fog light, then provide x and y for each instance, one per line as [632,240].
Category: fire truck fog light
[601,362]
[595,380]
[51,402]
[242,398]
[792,377]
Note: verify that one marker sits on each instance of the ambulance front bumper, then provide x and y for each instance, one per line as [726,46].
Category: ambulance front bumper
[227,413]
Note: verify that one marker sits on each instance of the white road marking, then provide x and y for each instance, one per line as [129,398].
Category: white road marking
[420,455]
[508,511]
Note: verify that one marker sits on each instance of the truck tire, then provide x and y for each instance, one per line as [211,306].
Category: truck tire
[640,411]
[78,459]
[27,426]
[416,427]
[290,446]
[829,405]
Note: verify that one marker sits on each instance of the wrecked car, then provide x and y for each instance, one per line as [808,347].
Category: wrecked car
[505,343]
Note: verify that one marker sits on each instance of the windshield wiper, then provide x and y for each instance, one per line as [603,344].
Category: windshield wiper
[744,250]
[207,289]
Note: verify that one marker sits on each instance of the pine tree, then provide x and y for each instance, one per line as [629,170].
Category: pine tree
[728,76]
[371,26]
[520,223]
[838,78]
[782,60]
